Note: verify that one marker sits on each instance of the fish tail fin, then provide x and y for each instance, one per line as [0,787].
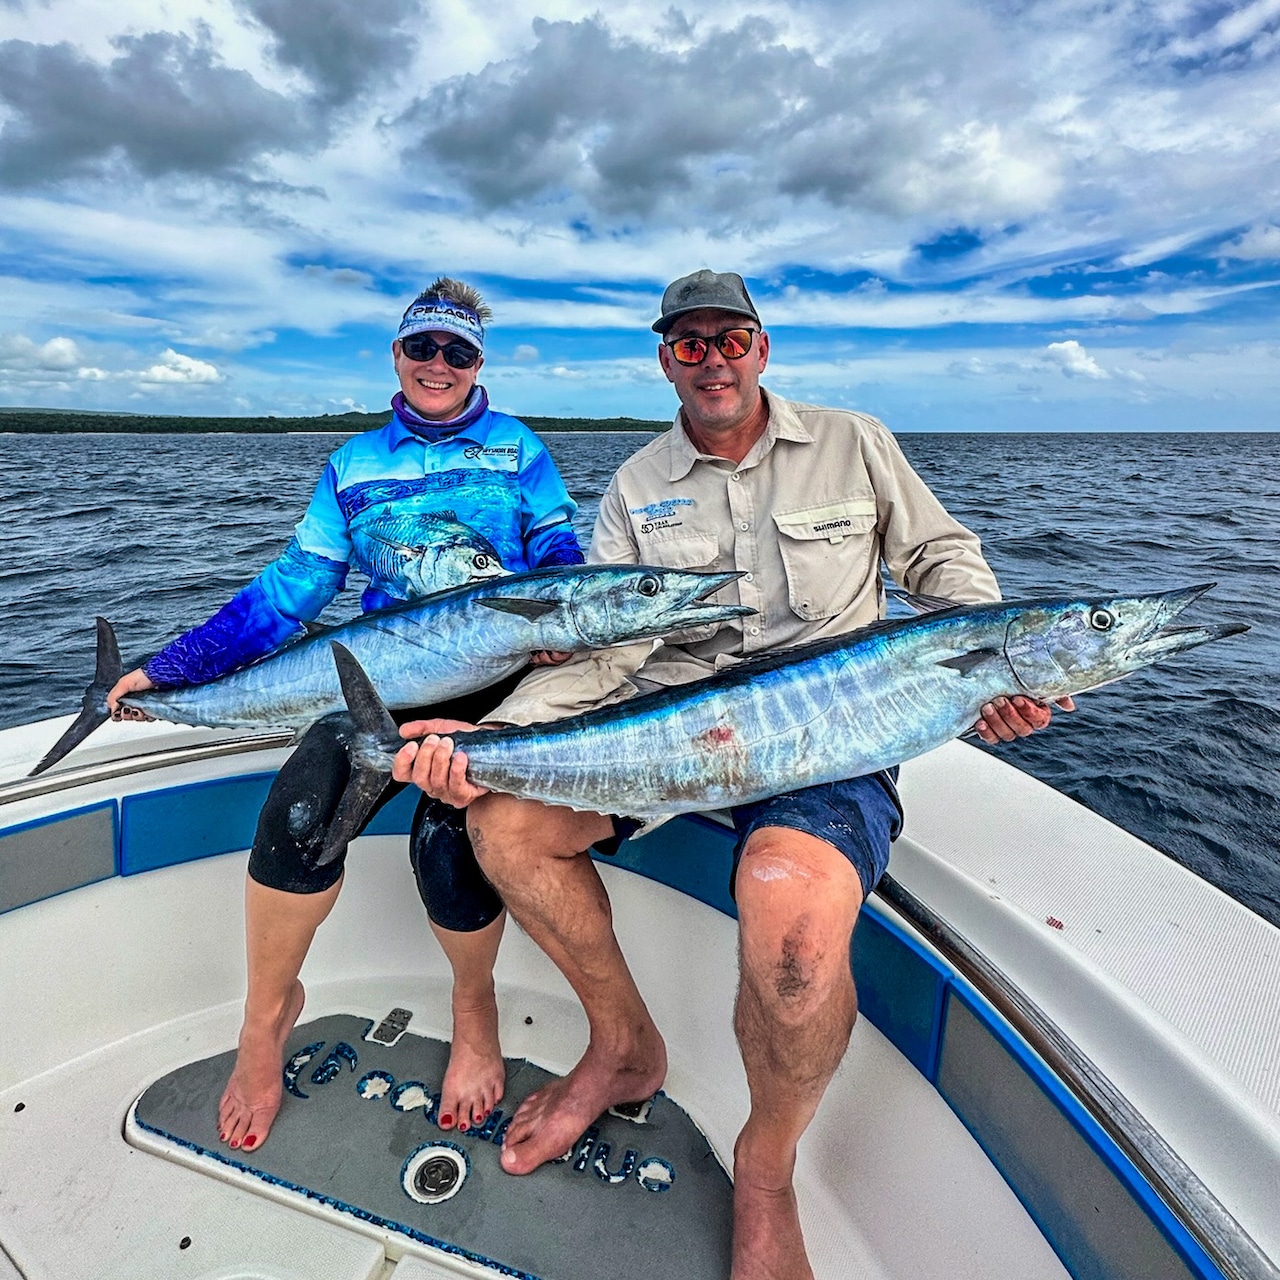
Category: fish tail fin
[363,789]
[366,784]
[93,711]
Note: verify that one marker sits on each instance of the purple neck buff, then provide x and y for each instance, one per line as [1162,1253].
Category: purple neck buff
[477,404]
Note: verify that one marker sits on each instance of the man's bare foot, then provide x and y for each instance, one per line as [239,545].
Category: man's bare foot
[476,1076]
[549,1122]
[767,1244]
[252,1096]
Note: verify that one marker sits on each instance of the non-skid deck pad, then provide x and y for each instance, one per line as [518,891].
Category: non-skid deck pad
[357,1132]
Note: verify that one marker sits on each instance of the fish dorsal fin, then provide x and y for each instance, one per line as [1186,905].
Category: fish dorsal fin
[968,663]
[919,603]
[524,608]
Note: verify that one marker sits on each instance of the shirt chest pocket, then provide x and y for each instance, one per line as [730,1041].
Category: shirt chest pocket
[827,551]
[692,550]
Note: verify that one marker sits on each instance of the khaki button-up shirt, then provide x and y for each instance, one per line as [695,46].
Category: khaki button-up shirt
[807,517]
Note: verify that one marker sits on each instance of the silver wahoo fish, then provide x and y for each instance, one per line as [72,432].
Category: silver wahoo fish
[454,642]
[831,709]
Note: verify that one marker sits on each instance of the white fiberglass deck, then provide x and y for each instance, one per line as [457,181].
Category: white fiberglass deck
[120,982]
[114,984]
[1169,986]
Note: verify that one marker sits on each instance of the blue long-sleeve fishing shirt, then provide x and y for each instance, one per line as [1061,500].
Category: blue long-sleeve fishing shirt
[415,515]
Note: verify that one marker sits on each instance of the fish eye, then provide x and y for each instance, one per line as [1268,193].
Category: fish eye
[648,585]
[480,560]
[1101,620]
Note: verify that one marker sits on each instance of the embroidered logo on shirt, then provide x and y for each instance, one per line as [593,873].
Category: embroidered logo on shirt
[661,515]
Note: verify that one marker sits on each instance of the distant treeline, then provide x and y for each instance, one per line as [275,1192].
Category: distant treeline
[66,421]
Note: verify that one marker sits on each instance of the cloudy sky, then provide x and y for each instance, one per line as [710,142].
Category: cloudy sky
[956,214]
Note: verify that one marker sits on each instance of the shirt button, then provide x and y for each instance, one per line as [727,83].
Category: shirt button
[755,631]
[737,475]
[744,526]
[749,577]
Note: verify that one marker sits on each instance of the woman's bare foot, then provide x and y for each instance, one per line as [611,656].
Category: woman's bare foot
[252,1096]
[476,1076]
[549,1122]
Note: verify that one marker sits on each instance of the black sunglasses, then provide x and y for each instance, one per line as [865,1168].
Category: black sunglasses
[733,344]
[423,347]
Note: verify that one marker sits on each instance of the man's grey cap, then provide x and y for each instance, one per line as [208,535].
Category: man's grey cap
[723,290]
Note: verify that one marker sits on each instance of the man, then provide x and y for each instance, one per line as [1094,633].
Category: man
[806,503]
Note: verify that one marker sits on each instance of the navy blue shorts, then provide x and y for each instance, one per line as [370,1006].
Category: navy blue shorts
[860,817]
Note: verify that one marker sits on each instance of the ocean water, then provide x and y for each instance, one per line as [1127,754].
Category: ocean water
[155,532]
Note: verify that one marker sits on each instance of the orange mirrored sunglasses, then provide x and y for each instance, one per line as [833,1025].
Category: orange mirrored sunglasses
[733,344]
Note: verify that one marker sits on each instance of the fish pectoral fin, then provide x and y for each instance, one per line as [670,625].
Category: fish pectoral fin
[652,824]
[642,684]
[968,663]
[524,608]
[399,547]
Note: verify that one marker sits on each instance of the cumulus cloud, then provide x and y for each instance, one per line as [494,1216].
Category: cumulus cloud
[173,367]
[1073,360]
[18,352]
[525,353]
[1261,242]
[341,47]
[730,124]
[165,104]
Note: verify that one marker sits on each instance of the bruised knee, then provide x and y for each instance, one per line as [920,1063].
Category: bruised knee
[796,919]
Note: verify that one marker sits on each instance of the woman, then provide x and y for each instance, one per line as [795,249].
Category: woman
[447,491]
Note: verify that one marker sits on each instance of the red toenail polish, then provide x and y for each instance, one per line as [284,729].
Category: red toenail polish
[234,1145]
[249,1141]
[462,1126]
[446,1120]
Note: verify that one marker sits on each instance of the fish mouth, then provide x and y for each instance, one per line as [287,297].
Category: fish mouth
[1160,639]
